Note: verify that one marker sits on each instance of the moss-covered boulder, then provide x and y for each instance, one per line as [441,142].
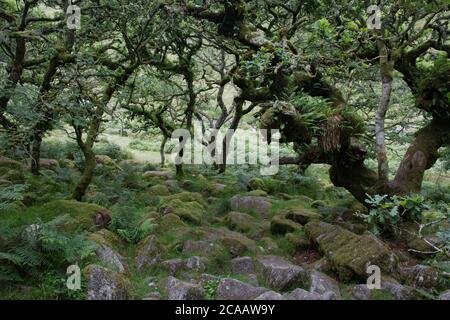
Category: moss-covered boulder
[256,184]
[159,190]
[350,254]
[240,222]
[188,197]
[169,222]
[104,160]
[235,243]
[299,240]
[190,211]
[279,225]
[86,214]
[301,215]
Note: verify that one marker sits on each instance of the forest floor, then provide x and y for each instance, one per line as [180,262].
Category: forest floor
[203,236]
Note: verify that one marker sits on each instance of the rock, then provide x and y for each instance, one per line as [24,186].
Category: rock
[257,193]
[361,292]
[204,248]
[173,266]
[129,162]
[269,245]
[153,296]
[104,284]
[231,289]
[321,283]
[421,276]
[180,290]
[270,295]
[207,278]
[236,243]
[170,222]
[171,184]
[159,190]
[400,292]
[196,264]
[279,225]
[107,238]
[148,253]
[321,265]
[162,174]
[111,258]
[219,187]
[350,254]
[301,294]
[445,295]
[300,242]
[103,160]
[301,215]
[243,265]
[49,164]
[239,221]
[87,215]
[191,212]
[244,203]
[256,184]
[279,274]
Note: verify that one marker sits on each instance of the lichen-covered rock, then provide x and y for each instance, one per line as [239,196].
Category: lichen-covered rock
[181,290]
[321,283]
[204,248]
[247,203]
[350,254]
[301,215]
[421,276]
[243,265]
[239,221]
[400,292]
[104,284]
[173,266]
[111,258]
[197,264]
[148,253]
[159,190]
[231,289]
[279,274]
[361,292]
[301,294]
[270,295]
[279,225]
